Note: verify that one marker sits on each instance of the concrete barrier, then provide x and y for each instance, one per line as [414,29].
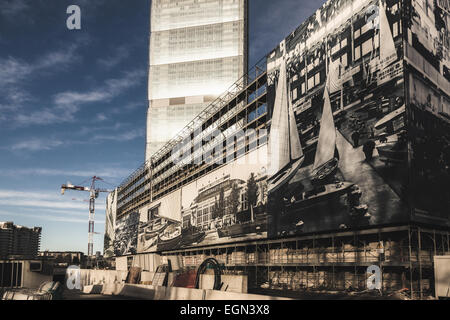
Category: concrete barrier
[92,277]
[144,292]
[232,283]
[112,282]
[113,289]
[175,293]
[148,292]
[147,276]
[223,295]
[93,289]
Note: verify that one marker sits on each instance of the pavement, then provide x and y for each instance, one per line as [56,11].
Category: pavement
[78,295]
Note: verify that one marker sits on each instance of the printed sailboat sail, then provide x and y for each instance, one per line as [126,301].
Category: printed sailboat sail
[335,83]
[327,135]
[284,141]
[295,146]
[285,151]
[388,53]
[389,67]
[279,153]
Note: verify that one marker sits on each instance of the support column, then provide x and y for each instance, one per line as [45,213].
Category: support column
[410,262]
[419,242]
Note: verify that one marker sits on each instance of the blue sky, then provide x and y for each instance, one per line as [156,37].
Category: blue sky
[73,103]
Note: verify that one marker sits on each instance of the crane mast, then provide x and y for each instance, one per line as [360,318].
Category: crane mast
[93,194]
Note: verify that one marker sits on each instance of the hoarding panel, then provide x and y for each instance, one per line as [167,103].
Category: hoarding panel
[226,205]
[349,112]
[110,224]
[428,109]
[126,233]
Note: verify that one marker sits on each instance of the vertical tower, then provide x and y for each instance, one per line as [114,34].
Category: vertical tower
[197,50]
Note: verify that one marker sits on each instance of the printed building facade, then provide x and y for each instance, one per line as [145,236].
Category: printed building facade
[348,120]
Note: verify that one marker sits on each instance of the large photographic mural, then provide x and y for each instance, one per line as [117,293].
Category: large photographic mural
[229,204]
[358,109]
[336,89]
[427,56]
[126,234]
[110,224]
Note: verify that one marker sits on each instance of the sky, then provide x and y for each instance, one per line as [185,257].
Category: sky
[73,104]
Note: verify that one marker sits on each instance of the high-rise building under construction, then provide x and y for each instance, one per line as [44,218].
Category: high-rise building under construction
[198,48]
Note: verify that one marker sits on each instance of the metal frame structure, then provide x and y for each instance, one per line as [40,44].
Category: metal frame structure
[409,251]
[93,194]
[409,247]
[159,175]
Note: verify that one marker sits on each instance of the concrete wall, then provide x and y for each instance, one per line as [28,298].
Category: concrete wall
[33,279]
[122,263]
[147,262]
[442,276]
[94,277]
[148,292]
[231,283]
[147,276]
[89,277]
[112,282]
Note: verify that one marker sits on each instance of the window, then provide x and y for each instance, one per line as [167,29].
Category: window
[366,28]
[395,29]
[311,82]
[367,47]
[335,49]
[152,213]
[344,60]
[357,53]
[36,266]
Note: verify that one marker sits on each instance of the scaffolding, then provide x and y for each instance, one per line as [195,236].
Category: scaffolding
[242,107]
[334,261]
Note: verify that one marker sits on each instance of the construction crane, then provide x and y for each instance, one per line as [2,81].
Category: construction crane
[93,192]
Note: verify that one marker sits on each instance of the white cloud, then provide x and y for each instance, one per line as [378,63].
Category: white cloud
[15,70]
[67,104]
[47,115]
[125,136]
[120,54]
[11,8]
[129,107]
[101,117]
[43,200]
[35,144]
[112,173]
[47,205]
[49,217]
[111,89]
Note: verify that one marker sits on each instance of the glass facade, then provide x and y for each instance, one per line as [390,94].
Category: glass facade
[198,48]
